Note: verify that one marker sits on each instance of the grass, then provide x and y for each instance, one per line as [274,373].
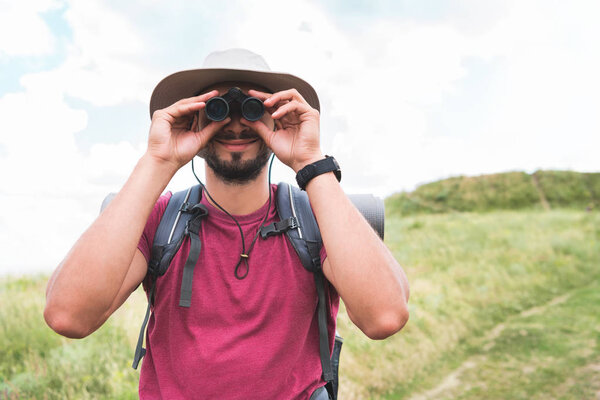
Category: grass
[36,363]
[469,274]
[540,354]
[569,188]
[503,191]
[504,305]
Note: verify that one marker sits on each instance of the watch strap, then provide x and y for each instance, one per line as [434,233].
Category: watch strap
[328,164]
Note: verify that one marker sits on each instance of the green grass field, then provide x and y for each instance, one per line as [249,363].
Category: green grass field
[504,305]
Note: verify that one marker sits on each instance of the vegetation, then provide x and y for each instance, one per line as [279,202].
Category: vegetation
[504,305]
[505,191]
[36,363]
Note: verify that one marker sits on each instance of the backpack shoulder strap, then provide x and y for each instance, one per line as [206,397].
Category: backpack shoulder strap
[299,224]
[171,229]
[181,208]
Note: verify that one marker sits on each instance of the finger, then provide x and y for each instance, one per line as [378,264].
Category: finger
[185,109]
[288,108]
[262,129]
[274,108]
[194,123]
[290,95]
[259,95]
[211,129]
[263,96]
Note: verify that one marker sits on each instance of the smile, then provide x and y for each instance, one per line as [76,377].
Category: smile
[236,144]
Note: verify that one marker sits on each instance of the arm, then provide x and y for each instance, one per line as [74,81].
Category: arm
[359,265]
[105,266]
[361,268]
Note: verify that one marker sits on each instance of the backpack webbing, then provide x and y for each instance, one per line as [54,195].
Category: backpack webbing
[181,218]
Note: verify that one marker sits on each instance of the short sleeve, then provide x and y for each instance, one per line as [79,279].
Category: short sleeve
[323,254]
[145,243]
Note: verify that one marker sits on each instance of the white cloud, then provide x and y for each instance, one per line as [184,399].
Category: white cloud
[384,85]
[38,137]
[546,114]
[52,190]
[23,32]
[101,65]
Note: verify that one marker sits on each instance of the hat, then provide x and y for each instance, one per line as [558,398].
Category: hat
[222,66]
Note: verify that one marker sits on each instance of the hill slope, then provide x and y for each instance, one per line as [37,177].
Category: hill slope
[504,191]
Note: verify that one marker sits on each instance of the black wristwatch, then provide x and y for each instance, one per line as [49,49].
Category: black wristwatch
[328,164]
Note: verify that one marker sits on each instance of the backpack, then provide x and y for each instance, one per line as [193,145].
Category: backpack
[182,218]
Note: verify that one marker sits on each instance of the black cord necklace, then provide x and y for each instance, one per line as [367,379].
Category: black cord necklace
[244,255]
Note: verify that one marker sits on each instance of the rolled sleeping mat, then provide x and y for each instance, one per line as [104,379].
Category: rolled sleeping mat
[107,200]
[372,208]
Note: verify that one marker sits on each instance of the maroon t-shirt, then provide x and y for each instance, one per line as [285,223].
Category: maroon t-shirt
[255,338]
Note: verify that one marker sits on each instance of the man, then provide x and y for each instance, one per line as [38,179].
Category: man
[251,330]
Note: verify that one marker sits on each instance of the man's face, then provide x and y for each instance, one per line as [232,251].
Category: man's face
[236,153]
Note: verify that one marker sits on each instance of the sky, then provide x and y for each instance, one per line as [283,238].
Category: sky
[410,92]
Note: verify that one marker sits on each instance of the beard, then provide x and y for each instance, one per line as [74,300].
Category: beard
[236,171]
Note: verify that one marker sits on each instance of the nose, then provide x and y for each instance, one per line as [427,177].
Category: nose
[235,125]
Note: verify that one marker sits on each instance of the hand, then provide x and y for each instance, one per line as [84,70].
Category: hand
[295,142]
[174,136]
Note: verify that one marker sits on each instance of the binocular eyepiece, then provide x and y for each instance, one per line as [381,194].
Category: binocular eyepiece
[218,108]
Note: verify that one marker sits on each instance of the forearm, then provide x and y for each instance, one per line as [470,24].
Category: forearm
[363,271]
[85,284]
[359,265]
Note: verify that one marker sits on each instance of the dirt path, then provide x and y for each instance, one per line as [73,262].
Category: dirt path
[543,200]
[453,379]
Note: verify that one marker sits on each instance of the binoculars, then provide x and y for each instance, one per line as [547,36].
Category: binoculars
[218,108]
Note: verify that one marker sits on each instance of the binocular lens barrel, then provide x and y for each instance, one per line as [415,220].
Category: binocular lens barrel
[218,108]
[252,109]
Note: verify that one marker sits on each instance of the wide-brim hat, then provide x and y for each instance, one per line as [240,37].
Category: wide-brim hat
[223,66]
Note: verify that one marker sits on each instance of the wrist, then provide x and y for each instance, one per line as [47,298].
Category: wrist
[159,166]
[320,181]
[301,164]
[312,170]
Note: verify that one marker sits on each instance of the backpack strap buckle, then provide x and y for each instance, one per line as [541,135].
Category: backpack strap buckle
[277,228]
[185,207]
[198,212]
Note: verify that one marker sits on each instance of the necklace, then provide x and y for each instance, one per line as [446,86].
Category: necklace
[244,255]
